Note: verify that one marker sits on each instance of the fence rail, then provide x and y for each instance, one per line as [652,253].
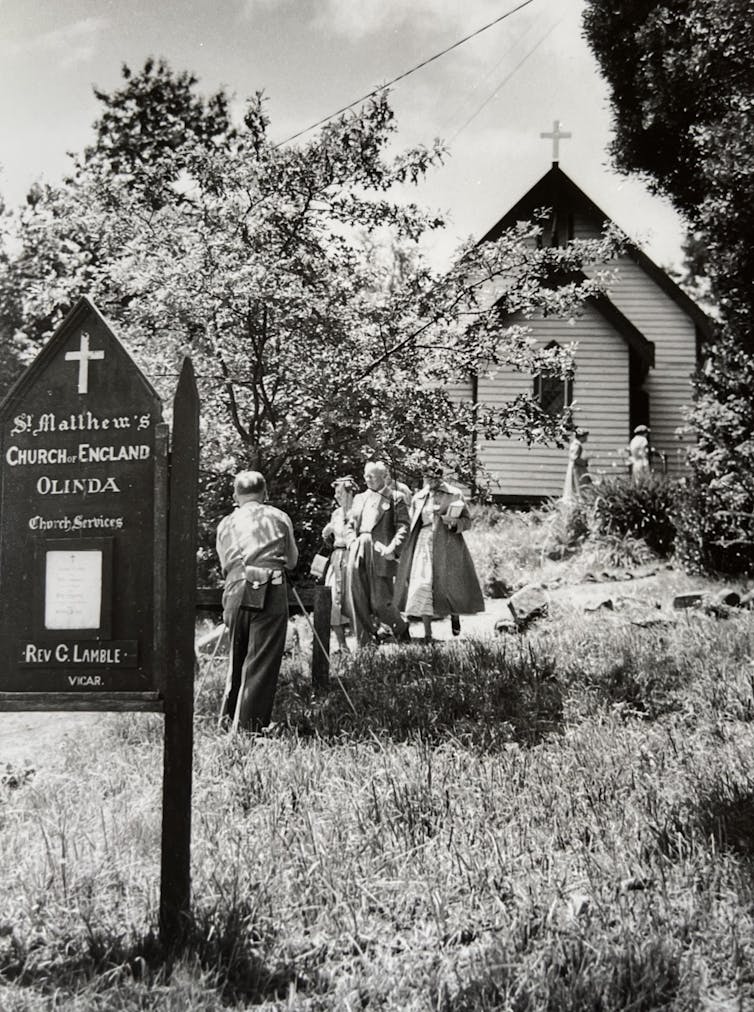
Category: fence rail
[316,601]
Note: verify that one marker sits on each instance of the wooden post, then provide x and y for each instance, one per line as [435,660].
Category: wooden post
[161,453]
[321,624]
[175,886]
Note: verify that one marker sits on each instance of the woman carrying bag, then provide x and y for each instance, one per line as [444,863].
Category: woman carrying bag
[436,576]
[335,531]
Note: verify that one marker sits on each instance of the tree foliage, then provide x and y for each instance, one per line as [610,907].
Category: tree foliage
[314,348]
[682,79]
[681,73]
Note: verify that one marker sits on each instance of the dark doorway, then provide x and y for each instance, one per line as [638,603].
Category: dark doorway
[638,398]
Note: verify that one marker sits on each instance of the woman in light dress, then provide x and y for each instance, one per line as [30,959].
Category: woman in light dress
[343,491]
[638,453]
[436,576]
[578,464]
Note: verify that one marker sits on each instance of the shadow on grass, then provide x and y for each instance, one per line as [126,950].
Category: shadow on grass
[224,947]
[728,819]
[720,814]
[577,973]
[483,694]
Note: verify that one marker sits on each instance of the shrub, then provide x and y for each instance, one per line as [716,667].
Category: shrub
[716,509]
[644,510]
[567,526]
[708,536]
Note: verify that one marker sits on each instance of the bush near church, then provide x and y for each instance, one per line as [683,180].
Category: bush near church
[644,510]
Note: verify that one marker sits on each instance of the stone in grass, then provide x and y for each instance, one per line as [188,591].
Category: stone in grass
[642,613]
[528,604]
[604,604]
[747,599]
[721,603]
[506,624]
[688,600]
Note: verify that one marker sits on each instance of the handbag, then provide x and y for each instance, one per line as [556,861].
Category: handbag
[319,566]
[257,585]
[321,561]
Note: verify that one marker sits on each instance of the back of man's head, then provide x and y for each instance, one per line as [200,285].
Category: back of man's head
[250,485]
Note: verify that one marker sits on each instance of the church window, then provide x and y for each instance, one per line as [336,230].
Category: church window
[552,392]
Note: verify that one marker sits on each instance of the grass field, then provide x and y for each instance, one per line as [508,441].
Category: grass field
[559,821]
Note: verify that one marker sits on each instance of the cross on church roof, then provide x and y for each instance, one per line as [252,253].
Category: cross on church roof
[556,134]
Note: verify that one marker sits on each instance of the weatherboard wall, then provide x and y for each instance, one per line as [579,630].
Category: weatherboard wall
[673,332]
[600,392]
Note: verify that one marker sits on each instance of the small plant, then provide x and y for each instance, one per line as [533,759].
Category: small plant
[641,511]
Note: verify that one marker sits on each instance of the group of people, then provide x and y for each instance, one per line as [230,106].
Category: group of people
[577,470]
[395,557]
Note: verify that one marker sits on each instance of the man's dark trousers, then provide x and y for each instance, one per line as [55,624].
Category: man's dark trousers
[258,642]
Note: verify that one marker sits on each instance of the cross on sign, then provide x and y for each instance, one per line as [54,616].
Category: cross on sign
[83,356]
[556,134]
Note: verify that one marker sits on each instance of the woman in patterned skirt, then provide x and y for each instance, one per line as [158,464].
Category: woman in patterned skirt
[343,490]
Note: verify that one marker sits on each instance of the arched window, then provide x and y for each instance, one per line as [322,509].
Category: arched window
[553,393]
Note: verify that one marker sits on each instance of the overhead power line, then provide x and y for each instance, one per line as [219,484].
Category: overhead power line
[406,73]
[505,80]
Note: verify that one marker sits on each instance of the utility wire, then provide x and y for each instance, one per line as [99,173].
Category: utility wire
[480,87]
[505,80]
[406,73]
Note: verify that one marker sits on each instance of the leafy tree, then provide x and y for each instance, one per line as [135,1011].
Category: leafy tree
[314,349]
[681,74]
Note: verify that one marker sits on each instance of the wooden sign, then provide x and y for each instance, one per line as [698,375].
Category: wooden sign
[82,523]
[86,566]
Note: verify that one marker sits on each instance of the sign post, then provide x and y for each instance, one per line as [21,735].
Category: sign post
[98,554]
[175,888]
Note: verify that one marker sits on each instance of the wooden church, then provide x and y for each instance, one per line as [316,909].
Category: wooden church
[637,347]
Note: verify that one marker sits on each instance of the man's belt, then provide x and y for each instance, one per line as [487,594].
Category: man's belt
[258,575]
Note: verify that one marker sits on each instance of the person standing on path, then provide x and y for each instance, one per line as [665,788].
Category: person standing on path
[256,546]
[377,527]
[336,529]
[436,576]
[638,453]
[578,464]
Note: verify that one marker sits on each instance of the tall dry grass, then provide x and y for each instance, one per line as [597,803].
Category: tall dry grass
[558,541]
[564,822]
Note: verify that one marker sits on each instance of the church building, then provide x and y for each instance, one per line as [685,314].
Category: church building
[637,347]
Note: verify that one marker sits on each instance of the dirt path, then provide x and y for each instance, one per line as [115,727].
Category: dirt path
[36,738]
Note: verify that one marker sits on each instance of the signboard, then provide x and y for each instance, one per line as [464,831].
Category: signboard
[82,518]
[98,557]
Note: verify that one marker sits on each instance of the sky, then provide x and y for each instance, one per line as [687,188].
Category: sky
[488,99]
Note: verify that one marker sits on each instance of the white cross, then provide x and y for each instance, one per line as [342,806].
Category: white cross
[83,356]
[556,134]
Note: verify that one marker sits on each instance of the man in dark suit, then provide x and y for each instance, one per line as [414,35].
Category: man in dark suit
[377,527]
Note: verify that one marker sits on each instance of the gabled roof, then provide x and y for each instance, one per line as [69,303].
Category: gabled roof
[630,333]
[557,190]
